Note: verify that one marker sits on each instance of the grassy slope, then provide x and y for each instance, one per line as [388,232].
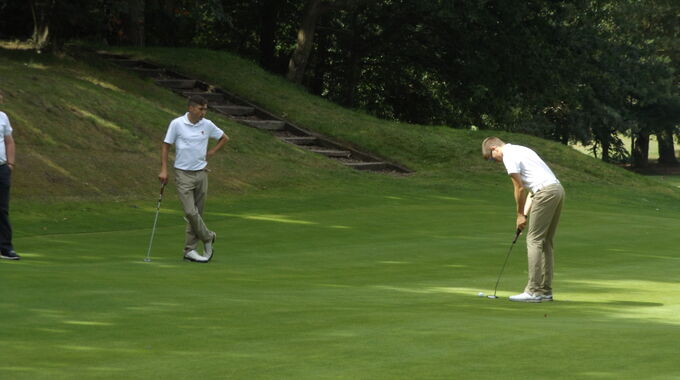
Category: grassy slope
[435,150]
[105,124]
[322,273]
[86,129]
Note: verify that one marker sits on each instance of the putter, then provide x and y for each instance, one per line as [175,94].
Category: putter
[147,259]
[504,263]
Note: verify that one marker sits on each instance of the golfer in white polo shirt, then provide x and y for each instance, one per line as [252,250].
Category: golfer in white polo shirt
[190,134]
[531,175]
[7,156]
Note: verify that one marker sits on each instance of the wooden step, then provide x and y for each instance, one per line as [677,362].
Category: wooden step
[130,63]
[287,132]
[234,110]
[376,166]
[148,72]
[182,84]
[112,56]
[331,152]
[300,140]
[209,96]
[269,125]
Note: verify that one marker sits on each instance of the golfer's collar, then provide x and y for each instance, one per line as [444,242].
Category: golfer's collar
[186,120]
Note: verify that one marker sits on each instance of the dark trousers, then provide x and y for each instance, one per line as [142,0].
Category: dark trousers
[5,227]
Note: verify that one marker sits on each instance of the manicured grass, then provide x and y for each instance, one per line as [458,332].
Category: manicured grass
[672,180]
[378,283]
[321,272]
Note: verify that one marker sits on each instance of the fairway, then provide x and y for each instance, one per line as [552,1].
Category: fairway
[378,283]
[368,163]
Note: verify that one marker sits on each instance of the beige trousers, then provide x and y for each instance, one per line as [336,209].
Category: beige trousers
[543,219]
[192,188]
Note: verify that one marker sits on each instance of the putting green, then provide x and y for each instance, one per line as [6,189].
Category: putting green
[364,285]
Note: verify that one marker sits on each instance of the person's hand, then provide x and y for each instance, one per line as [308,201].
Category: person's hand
[521,222]
[163,176]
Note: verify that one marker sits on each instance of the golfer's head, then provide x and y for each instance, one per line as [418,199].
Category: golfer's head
[489,148]
[198,106]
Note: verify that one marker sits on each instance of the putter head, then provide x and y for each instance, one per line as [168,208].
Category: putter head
[493,297]
[147,260]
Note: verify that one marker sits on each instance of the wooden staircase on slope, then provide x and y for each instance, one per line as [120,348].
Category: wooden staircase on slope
[249,114]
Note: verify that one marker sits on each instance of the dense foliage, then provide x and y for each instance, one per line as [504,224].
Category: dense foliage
[589,71]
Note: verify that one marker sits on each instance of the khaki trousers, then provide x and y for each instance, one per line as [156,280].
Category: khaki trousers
[543,219]
[192,188]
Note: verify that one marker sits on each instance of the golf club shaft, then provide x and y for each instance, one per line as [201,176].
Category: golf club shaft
[155,221]
[153,232]
[519,231]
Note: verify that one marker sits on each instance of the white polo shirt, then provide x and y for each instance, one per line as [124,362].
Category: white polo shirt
[191,141]
[5,130]
[534,172]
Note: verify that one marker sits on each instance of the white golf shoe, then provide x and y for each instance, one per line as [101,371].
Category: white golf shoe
[195,257]
[525,297]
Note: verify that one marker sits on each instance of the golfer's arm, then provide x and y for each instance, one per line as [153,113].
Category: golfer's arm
[10,150]
[220,143]
[520,193]
[165,148]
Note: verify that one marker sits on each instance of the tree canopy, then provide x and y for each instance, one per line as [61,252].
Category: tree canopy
[588,71]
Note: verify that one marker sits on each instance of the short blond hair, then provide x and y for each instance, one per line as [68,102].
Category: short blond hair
[488,143]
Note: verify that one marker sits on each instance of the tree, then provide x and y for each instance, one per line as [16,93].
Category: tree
[41,11]
[305,39]
[270,10]
[133,22]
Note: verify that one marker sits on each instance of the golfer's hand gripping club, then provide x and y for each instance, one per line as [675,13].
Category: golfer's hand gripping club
[160,196]
[517,233]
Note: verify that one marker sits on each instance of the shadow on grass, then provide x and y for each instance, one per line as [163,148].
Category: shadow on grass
[617,304]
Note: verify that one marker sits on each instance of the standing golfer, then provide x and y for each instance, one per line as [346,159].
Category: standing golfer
[190,134]
[529,172]
[6,168]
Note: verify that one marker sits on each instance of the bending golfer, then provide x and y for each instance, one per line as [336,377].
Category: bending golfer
[528,172]
[190,134]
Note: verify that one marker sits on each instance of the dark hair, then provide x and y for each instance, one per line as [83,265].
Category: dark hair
[197,100]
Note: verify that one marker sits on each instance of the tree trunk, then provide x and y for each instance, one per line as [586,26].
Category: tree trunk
[133,24]
[352,65]
[270,14]
[666,147]
[605,150]
[305,40]
[319,65]
[640,150]
[41,27]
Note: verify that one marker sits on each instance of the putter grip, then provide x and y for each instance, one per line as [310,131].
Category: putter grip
[160,196]
[517,233]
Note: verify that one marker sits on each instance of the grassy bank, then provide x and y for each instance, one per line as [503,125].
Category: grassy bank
[88,130]
[320,272]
